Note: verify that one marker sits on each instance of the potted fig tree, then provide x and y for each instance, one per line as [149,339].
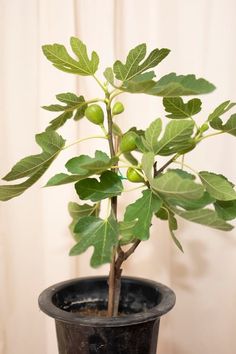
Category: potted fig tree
[114,314]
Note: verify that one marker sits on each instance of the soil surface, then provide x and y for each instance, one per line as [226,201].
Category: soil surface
[93,312]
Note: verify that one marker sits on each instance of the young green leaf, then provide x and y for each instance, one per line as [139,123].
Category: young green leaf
[149,203]
[88,66]
[82,167]
[32,166]
[101,234]
[226,209]
[77,211]
[109,75]
[179,109]
[172,85]
[205,217]
[54,108]
[229,127]
[58,55]
[217,186]
[70,99]
[176,138]
[221,109]
[59,121]
[172,185]
[75,106]
[109,186]
[134,65]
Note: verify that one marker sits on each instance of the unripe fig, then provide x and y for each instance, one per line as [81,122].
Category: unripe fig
[94,114]
[134,176]
[118,108]
[128,142]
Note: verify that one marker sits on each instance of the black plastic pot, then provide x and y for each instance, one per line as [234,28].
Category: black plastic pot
[142,303]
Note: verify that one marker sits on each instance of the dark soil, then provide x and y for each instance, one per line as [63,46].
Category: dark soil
[93,312]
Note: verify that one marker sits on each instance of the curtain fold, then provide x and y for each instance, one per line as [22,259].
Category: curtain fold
[34,237]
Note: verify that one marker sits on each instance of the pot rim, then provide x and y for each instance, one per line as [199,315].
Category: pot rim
[166,303]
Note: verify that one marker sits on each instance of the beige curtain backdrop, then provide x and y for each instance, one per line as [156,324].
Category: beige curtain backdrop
[34,240]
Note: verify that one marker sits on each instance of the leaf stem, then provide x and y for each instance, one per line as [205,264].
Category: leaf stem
[84,139]
[115,93]
[123,256]
[104,130]
[134,189]
[197,127]
[81,104]
[100,84]
[210,135]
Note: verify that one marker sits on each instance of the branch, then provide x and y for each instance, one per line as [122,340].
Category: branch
[123,256]
[113,295]
[132,249]
[157,172]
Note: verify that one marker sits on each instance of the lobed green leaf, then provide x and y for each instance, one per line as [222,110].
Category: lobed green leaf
[58,55]
[77,211]
[101,234]
[229,127]
[176,138]
[85,164]
[221,109]
[150,203]
[151,135]
[110,185]
[75,106]
[140,83]
[147,164]
[87,66]
[217,186]
[205,200]
[63,178]
[172,185]
[183,173]
[226,209]
[82,167]
[172,85]
[205,217]
[135,63]
[59,121]
[32,166]
[109,75]
[179,109]
[126,232]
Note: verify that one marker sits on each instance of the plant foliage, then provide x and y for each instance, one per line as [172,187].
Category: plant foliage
[168,190]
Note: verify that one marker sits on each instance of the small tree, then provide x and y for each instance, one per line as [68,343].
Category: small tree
[203,197]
